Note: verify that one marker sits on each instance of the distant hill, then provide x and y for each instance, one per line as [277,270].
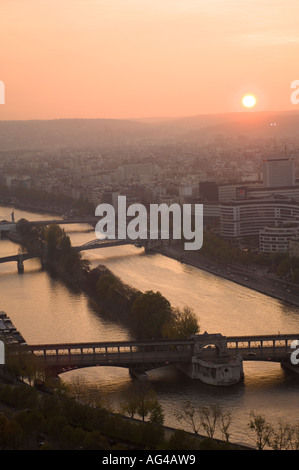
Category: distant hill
[91,133]
[59,133]
[255,124]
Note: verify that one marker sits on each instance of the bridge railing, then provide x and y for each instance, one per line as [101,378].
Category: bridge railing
[272,347]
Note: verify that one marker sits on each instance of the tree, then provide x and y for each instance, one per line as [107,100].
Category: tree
[53,236]
[150,312]
[225,420]
[32,423]
[77,387]
[61,256]
[284,267]
[182,325]
[107,285]
[188,415]
[142,401]
[209,416]
[295,276]
[294,440]
[22,363]
[283,436]
[145,399]
[11,433]
[262,429]
[206,417]
[156,413]
[130,405]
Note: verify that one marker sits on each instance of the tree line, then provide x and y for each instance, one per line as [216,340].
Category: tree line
[75,415]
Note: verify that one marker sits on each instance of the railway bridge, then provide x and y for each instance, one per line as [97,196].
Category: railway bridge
[212,358]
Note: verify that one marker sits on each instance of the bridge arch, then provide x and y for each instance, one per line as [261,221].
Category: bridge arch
[204,342]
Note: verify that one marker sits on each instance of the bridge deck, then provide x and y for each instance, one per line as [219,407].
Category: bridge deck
[24,256]
[153,353]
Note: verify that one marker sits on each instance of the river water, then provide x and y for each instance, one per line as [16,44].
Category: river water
[45,311]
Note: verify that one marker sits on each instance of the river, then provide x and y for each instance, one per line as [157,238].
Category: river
[45,311]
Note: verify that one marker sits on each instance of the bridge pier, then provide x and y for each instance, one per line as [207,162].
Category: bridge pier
[44,261]
[220,373]
[20,265]
[139,374]
[212,363]
[290,367]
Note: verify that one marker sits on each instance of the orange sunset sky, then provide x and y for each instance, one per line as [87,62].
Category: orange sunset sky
[143,58]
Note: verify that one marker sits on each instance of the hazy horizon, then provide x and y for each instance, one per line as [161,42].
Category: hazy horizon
[162,118]
[93,59]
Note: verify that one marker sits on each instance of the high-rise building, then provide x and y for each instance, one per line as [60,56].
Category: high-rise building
[278,172]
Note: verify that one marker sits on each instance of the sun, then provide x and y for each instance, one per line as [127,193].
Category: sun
[249,101]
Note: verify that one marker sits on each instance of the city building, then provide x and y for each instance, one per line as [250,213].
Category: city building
[232,192]
[243,218]
[278,172]
[277,239]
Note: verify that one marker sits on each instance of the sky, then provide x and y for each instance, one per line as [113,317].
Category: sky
[145,58]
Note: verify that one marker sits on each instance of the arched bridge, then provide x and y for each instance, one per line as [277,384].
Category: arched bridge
[105,243]
[8,259]
[20,258]
[147,355]
[92,245]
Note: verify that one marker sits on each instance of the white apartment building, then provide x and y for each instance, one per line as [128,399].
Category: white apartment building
[232,192]
[239,219]
[277,239]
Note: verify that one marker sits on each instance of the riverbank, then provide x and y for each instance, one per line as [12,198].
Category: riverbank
[253,278]
[31,208]
[114,431]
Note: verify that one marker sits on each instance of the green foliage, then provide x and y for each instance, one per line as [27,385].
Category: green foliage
[108,285]
[295,276]
[156,413]
[19,397]
[183,324]
[261,429]
[11,434]
[150,313]
[181,440]
[283,267]
[221,250]
[151,435]
[62,258]
[23,364]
